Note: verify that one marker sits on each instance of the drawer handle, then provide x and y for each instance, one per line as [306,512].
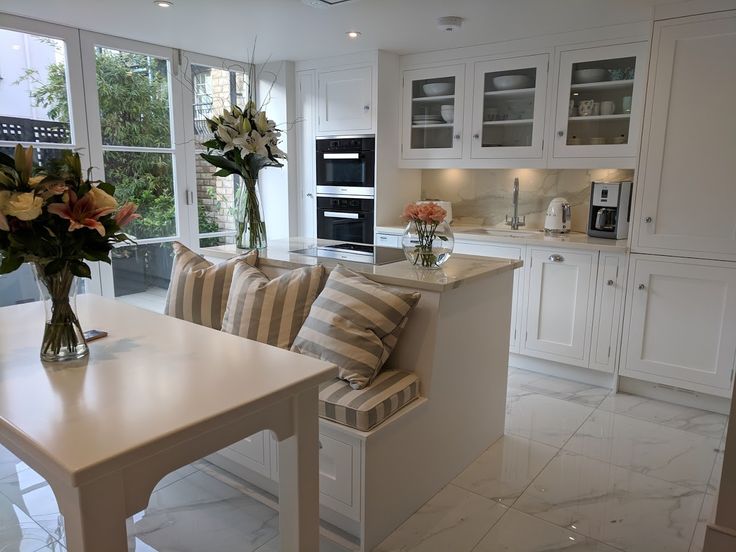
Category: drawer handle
[642,287]
[610,282]
[555,258]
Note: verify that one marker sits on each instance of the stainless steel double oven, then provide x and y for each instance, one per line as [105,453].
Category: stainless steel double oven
[346,188]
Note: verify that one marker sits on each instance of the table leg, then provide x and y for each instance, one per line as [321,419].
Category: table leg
[94,516]
[299,478]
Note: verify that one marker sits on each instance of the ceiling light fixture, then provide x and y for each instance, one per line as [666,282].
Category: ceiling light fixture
[449,23]
[163,3]
[352,35]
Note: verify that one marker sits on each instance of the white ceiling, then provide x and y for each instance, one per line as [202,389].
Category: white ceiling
[288,29]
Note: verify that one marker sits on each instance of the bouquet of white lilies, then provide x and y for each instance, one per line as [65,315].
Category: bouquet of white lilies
[243,142]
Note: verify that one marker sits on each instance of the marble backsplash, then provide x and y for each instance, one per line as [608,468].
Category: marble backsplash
[483,196]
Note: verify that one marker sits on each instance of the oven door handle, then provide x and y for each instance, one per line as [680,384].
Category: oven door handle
[342,215]
[341,155]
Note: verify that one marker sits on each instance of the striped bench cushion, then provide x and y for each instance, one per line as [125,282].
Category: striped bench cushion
[199,289]
[364,409]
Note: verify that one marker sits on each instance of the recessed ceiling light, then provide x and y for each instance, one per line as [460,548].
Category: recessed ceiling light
[163,3]
[353,34]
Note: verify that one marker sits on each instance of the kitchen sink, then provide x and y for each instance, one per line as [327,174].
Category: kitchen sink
[502,232]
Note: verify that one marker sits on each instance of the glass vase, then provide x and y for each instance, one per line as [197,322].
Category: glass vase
[63,338]
[428,244]
[250,226]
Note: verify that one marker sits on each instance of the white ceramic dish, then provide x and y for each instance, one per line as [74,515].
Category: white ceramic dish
[437,88]
[448,113]
[585,76]
[511,82]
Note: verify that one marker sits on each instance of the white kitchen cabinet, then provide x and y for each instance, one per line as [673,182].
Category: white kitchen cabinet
[559,304]
[609,298]
[600,103]
[253,452]
[681,323]
[502,252]
[686,196]
[433,113]
[306,153]
[345,101]
[509,107]
[388,240]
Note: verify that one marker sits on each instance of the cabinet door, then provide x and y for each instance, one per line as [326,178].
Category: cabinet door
[306,170]
[433,113]
[687,192]
[560,296]
[600,101]
[508,107]
[254,453]
[609,297]
[345,101]
[682,324]
[502,252]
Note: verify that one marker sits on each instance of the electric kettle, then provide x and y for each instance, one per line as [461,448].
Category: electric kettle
[559,217]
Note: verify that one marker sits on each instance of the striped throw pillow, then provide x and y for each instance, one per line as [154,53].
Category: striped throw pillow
[199,289]
[271,311]
[355,324]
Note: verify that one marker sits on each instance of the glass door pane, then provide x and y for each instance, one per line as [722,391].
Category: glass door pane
[34,110]
[508,108]
[600,102]
[432,113]
[138,156]
[214,90]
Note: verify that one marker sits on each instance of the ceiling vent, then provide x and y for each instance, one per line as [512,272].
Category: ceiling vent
[449,23]
[326,3]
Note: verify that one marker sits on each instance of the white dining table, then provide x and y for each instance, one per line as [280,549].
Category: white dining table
[155,395]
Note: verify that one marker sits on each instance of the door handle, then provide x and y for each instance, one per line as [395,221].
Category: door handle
[555,258]
[341,156]
[642,287]
[334,214]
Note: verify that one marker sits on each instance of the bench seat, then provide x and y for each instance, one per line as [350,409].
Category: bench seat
[364,409]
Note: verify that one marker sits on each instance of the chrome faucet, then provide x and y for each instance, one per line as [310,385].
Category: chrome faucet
[516,221]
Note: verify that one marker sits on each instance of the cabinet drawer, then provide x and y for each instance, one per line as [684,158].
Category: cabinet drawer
[388,240]
[254,453]
[338,474]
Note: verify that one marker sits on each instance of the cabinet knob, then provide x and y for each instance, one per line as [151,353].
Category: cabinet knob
[556,258]
[309,194]
[456,136]
[649,220]
[366,108]
[642,287]
[560,133]
[610,282]
[476,136]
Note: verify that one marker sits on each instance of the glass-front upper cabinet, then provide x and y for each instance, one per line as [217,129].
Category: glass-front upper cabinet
[600,101]
[508,108]
[433,113]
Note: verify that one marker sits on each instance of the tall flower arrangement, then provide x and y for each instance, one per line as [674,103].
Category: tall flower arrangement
[56,218]
[243,142]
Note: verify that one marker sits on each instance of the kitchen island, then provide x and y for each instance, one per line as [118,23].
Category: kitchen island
[456,342]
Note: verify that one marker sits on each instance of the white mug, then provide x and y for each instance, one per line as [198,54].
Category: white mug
[596,109]
[608,108]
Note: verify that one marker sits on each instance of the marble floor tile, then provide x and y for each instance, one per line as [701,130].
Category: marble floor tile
[200,513]
[715,477]
[544,419]
[619,507]
[673,455]
[325,545]
[454,519]
[519,532]
[19,533]
[524,382]
[699,421]
[503,471]
[706,515]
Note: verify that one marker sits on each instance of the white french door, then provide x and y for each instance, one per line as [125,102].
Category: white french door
[135,120]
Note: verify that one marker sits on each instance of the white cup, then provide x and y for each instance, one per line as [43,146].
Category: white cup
[608,108]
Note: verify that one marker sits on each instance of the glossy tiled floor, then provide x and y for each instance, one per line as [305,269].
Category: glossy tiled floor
[578,470]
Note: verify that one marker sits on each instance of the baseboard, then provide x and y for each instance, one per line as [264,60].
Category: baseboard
[675,395]
[560,370]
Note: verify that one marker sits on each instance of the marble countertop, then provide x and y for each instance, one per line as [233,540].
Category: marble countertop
[456,271]
[572,240]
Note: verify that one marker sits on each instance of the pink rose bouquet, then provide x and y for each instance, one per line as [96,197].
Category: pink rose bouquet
[425,217]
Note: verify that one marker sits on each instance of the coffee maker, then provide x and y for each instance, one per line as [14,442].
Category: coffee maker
[610,210]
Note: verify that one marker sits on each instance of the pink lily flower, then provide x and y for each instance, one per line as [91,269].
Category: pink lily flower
[126,214]
[81,213]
